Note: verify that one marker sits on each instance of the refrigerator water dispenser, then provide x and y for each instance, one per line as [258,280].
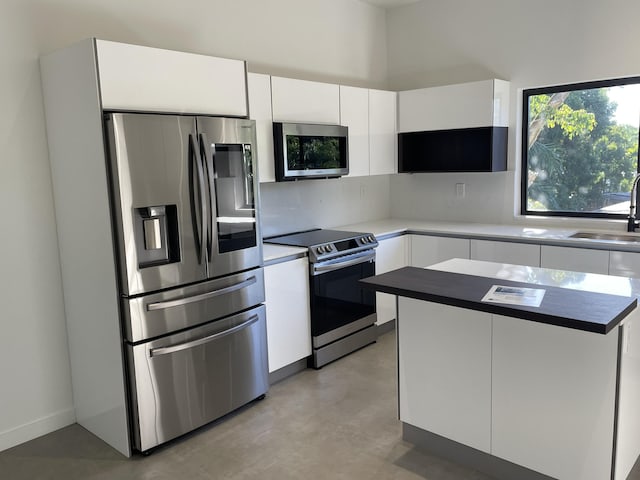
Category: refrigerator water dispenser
[156,235]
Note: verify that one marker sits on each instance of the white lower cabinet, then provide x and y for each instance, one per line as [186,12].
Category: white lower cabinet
[553,398]
[427,250]
[506,252]
[391,254]
[445,371]
[288,318]
[624,264]
[575,259]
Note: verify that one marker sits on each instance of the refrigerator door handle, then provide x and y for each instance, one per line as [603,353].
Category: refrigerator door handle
[209,167]
[155,352]
[202,296]
[198,202]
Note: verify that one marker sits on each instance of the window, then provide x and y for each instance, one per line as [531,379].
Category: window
[580,148]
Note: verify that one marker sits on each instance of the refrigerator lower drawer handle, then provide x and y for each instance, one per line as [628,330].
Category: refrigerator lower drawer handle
[156,352]
[203,296]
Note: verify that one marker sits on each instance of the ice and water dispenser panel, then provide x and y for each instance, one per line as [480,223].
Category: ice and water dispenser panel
[156,233]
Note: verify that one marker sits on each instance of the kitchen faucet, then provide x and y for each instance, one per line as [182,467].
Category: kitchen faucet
[632,223]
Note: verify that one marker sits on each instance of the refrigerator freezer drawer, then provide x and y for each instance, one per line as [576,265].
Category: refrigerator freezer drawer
[165,312]
[181,382]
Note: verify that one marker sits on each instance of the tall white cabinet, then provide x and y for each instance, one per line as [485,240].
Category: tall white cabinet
[79,83]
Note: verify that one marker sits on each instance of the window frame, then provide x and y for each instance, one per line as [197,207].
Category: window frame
[529,92]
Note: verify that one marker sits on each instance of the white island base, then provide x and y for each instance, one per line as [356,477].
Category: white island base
[515,398]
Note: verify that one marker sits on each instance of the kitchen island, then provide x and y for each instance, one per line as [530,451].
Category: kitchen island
[515,389]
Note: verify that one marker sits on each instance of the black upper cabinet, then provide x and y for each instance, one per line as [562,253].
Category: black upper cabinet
[479,149]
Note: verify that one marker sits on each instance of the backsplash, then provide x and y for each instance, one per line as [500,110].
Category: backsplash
[305,204]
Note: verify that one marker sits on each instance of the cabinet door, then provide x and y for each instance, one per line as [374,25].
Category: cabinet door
[553,398]
[133,77]
[427,250]
[390,255]
[465,105]
[506,252]
[382,133]
[304,101]
[354,113]
[624,264]
[444,356]
[575,259]
[288,319]
[260,110]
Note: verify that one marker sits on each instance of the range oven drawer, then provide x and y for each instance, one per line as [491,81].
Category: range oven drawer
[183,381]
[161,313]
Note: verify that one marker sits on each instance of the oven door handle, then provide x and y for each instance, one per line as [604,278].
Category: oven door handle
[202,296]
[155,352]
[319,269]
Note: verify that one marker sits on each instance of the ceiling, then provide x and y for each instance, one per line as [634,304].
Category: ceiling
[390,3]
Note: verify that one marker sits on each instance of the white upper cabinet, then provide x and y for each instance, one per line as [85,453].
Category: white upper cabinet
[260,110]
[465,105]
[382,132]
[354,114]
[305,101]
[140,78]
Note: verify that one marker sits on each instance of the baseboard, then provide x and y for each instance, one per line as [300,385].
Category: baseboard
[36,428]
[386,327]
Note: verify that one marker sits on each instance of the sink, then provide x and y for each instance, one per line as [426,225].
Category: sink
[611,237]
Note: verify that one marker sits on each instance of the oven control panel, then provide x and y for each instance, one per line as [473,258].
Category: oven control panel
[326,251]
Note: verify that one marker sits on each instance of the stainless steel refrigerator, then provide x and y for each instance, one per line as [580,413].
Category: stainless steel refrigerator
[185,216]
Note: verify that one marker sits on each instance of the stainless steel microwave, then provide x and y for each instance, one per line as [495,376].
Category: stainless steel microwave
[304,150]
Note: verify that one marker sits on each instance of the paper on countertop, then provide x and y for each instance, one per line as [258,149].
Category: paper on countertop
[526,297]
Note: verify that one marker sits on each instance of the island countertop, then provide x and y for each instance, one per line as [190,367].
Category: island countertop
[588,302]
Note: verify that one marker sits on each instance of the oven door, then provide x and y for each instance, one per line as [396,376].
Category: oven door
[339,305]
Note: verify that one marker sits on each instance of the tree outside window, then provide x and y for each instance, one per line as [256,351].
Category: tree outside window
[580,148]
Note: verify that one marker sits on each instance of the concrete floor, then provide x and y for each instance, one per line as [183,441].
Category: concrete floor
[336,423]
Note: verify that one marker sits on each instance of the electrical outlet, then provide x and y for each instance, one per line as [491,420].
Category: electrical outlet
[460,190]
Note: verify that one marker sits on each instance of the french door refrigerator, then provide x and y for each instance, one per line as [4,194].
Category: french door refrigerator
[185,215]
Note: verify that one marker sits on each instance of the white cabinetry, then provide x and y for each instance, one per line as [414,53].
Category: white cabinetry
[382,132]
[575,259]
[466,105]
[506,252]
[288,319]
[305,101]
[390,255]
[445,371]
[259,89]
[354,114]
[624,264]
[138,78]
[553,398]
[427,250]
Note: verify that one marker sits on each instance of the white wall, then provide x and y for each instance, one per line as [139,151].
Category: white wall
[331,40]
[302,205]
[530,44]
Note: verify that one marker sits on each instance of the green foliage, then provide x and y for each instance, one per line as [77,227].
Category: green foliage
[578,156]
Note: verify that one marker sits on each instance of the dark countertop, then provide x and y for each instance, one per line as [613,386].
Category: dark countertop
[565,307]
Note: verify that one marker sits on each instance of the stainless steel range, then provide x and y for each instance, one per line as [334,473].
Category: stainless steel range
[343,315]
